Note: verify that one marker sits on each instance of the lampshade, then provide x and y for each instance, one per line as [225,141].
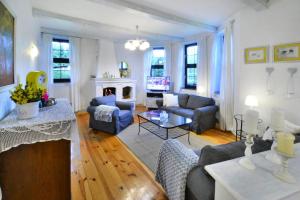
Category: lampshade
[251,122]
[277,120]
[251,101]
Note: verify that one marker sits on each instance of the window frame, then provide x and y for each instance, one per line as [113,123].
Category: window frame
[187,66]
[60,61]
[153,67]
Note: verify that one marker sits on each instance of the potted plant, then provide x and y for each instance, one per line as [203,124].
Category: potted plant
[27,100]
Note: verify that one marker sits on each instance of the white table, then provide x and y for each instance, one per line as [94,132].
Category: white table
[232,181]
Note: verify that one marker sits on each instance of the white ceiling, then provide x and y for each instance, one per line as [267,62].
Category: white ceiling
[116,19]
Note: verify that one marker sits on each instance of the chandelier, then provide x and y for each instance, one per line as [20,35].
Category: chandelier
[140,44]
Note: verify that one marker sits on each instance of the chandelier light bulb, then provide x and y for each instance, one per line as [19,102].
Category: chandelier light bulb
[137,43]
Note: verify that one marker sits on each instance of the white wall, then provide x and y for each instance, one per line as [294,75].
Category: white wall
[107,59]
[275,25]
[135,60]
[89,49]
[26,34]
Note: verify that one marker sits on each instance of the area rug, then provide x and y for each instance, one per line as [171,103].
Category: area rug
[146,145]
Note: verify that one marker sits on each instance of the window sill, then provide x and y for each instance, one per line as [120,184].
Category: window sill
[61,84]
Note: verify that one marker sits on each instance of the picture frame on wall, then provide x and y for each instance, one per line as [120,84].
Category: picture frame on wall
[255,55]
[287,52]
[7,47]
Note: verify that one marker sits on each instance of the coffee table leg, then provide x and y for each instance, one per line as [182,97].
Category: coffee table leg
[167,133]
[139,125]
[189,134]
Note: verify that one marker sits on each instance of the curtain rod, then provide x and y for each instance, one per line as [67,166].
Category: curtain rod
[62,35]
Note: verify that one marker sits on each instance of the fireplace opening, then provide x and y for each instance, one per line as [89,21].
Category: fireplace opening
[109,91]
[127,92]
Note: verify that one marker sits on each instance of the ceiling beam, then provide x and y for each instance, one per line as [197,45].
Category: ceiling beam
[116,29]
[133,7]
[258,4]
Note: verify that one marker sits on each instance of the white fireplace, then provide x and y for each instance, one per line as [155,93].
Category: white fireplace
[124,89]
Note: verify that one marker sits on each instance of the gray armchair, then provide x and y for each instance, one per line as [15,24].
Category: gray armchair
[120,119]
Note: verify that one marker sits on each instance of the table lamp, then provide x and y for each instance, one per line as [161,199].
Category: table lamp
[251,101]
[251,121]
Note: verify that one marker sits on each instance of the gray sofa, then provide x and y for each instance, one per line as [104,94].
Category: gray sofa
[201,110]
[120,119]
[200,185]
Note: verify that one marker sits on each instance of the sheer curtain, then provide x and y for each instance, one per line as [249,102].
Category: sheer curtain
[202,67]
[147,67]
[46,59]
[227,80]
[168,59]
[216,63]
[75,72]
[178,68]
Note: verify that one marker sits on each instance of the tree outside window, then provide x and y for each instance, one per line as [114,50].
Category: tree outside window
[191,57]
[158,62]
[61,61]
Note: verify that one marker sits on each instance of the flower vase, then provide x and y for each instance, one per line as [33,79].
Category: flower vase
[28,110]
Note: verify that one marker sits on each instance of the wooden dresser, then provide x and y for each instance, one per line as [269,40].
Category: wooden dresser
[36,164]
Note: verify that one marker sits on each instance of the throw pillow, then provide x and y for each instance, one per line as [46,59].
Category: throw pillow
[170,100]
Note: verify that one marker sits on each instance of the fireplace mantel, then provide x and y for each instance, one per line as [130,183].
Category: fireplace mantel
[124,89]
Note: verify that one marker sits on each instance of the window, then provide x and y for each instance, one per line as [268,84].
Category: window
[158,62]
[61,61]
[191,57]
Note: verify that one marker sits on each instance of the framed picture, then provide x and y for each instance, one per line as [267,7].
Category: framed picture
[7,46]
[287,52]
[256,55]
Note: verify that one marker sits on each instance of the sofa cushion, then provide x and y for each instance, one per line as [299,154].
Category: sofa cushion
[195,101]
[184,112]
[106,100]
[214,154]
[199,186]
[171,109]
[124,114]
[182,100]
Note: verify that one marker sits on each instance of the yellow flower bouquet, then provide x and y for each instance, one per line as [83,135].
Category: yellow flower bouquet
[26,95]
[27,100]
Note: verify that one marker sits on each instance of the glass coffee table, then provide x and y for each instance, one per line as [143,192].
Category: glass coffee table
[169,128]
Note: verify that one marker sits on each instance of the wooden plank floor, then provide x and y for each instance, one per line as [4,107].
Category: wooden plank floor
[109,170]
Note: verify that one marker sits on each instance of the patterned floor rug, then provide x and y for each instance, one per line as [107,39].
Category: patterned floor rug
[146,145]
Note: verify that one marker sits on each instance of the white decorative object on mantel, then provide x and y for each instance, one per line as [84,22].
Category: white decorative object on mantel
[232,181]
[98,85]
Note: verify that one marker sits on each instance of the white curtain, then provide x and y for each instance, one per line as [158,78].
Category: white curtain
[178,69]
[202,66]
[147,67]
[216,63]
[75,73]
[168,59]
[227,81]
[46,59]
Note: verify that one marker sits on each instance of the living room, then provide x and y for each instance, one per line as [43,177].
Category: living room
[124,99]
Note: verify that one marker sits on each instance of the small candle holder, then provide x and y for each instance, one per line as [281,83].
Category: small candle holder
[246,160]
[283,172]
[272,155]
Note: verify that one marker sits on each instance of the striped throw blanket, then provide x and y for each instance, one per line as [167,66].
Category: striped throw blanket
[174,163]
[104,113]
